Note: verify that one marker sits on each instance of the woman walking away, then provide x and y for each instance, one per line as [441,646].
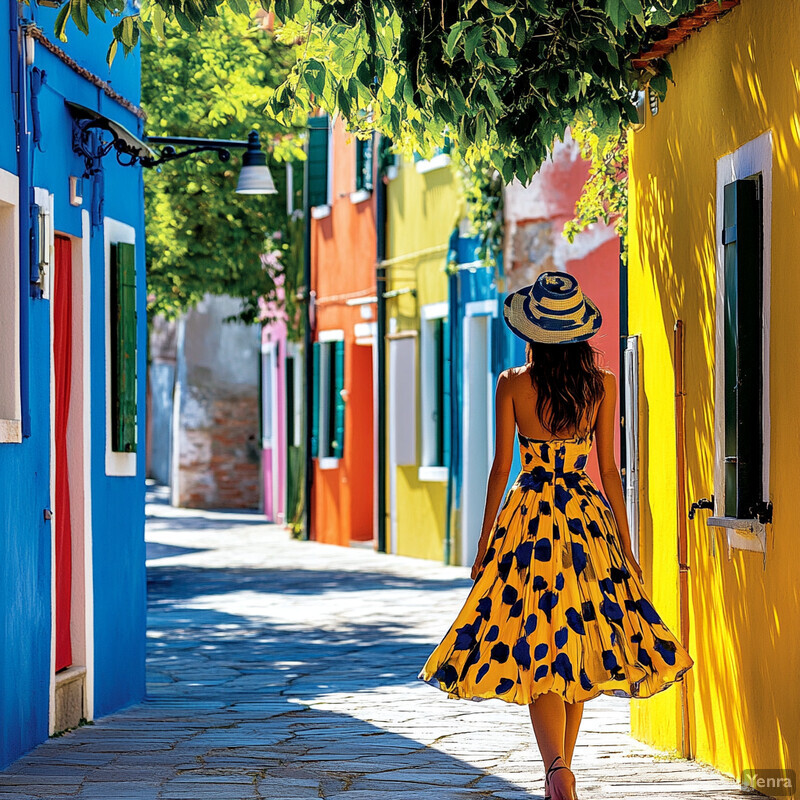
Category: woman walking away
[557,614]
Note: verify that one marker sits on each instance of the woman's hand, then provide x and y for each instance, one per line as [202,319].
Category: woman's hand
[634,564]
[478,565]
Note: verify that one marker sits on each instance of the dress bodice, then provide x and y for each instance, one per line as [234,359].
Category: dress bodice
[554,455]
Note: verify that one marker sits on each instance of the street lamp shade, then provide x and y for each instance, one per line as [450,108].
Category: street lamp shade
[255,177]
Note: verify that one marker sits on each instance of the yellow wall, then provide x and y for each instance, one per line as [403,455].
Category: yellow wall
[736,79]
[422,210]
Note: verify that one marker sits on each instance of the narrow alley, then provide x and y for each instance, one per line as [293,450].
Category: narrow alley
[284,669]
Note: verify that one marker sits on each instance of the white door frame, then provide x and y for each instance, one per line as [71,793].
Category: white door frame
[79,433]
[477,439]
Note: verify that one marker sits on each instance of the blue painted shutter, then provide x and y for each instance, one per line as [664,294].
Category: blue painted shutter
[317,160]
[742,240]
[123,347]
[337,445]
[446,367]
[316,353]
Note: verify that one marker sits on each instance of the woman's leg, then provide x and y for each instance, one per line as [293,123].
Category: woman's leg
[549,719]
[574,713]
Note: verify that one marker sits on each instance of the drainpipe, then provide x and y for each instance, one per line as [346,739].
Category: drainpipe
[683,557]
[451,514]
[19,72]
[380,343]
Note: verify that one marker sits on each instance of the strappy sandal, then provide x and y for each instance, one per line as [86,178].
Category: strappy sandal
[550,770]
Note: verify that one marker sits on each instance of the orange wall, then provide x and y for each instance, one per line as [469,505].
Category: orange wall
[342,266]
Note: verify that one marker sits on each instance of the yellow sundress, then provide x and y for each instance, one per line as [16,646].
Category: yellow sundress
[554,607]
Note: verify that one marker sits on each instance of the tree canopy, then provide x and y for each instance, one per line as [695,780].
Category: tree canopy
[510,74]
[201,236]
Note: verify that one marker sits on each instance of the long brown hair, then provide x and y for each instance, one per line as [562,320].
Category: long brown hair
[568,383]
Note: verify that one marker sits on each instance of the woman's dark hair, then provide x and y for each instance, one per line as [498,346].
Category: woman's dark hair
[568,384]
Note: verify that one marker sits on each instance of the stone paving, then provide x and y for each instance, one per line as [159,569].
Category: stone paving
[286,670]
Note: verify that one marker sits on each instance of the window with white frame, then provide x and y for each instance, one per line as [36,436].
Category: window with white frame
[327,418]
[319,165]
[744,192]
[268,404]
[439,159]
[364,166]
[10,403]
[435,391]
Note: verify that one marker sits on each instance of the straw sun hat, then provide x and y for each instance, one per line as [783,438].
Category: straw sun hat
[553,310]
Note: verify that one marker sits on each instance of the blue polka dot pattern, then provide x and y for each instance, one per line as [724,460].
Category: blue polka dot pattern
[555,607]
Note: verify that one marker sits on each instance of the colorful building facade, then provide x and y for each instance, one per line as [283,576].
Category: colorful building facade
[713,289]
[343,350]
[72,348]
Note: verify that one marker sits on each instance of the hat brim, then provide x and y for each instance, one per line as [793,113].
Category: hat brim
[518,320]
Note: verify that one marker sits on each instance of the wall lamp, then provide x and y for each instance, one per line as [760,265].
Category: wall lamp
[88,141]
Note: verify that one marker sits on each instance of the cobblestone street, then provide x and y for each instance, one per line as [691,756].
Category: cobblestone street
[283,669]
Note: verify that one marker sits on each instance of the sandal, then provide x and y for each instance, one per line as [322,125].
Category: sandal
[550,769]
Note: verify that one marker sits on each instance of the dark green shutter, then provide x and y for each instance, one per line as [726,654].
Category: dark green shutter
[317,160]
[289,379]
[316,353]
[337,446]
[742,239]
[446,392]
[364,152]
[123,347]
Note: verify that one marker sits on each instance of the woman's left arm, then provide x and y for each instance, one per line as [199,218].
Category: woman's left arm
[505,427]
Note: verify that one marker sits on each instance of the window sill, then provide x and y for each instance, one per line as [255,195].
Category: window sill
[10,431]
[437,162]
[432,474]
[329,462]
[743,534]
[320,212]
[360,196]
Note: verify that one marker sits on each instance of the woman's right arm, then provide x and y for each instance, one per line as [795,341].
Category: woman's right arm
[609,472]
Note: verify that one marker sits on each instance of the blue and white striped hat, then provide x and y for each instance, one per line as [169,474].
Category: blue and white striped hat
[553,310]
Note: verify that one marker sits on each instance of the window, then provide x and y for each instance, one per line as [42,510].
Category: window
[318,166]
[268,407]
[742,344]
[10,402]
[440,158]
[121,348]
[364,150]
[327,420]
[435,390]
[632,388]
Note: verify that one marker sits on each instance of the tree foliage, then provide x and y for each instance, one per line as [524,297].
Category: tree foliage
[513,73]
[605,194]
[201,236]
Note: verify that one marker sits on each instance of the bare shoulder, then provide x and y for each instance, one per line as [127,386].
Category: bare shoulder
[609,379]
[512,374]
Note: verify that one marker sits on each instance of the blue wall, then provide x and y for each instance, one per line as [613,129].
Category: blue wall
[117,502]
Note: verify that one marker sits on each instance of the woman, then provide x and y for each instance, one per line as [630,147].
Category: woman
[557,614]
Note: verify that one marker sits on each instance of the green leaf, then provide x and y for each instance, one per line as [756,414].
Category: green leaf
[61,21]
[80,14]
[497,8]
[454,35]
[471,41]
[658,84]
[314,76]
[634,7]
[457,100]
[540,7]
[98,9]
[111,52]
[157,18]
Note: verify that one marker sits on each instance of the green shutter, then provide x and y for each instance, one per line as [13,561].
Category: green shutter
[337,445]
[742,240]
[123,347]
[446,392]
[317,161]
[364,151]
[316,352]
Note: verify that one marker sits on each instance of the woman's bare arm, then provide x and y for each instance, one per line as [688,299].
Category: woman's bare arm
[505,427]
[609,472]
